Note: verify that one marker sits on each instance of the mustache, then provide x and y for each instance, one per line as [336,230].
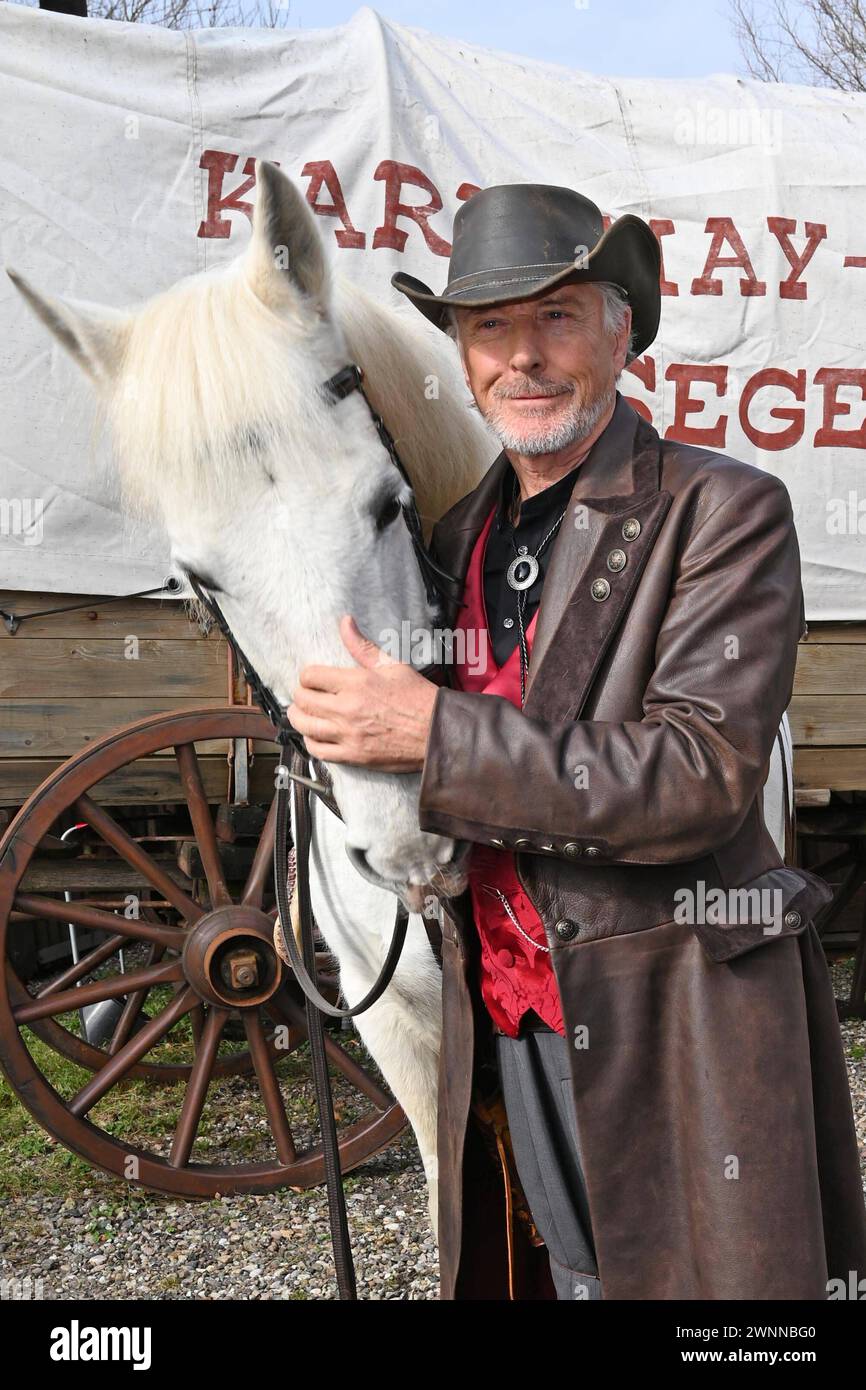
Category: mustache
[534,388]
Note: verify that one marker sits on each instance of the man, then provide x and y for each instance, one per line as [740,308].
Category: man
[642,1086]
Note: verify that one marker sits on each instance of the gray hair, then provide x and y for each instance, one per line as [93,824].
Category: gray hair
[615,304]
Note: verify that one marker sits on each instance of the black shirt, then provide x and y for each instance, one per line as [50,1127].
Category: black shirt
[537,515]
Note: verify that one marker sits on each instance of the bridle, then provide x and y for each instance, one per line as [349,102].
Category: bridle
[437,582]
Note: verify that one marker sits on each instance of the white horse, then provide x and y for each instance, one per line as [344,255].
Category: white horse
[285,506]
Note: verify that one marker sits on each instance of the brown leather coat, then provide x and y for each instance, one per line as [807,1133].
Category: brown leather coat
[709,1080]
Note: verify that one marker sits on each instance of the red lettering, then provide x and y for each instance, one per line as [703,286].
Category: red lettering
[644,368]
[775,439]
[723,230]
[828,436]
[219,163]
[662,226]
[781,227]
[389,234]
[683,377]
[321,172]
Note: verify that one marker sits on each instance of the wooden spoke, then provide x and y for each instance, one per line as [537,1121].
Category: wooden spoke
[193,1101]
[97,919]
[133,1006]
[128,1055]
[87,963]
[135,855]
[123,770]
[261,866]
[202,824]
[341,1059]
[111,988]
[269,1086]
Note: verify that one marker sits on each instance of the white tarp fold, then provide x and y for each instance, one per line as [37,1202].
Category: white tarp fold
[124,164]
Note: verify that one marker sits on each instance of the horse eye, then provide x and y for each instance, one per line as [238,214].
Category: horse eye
[389,513]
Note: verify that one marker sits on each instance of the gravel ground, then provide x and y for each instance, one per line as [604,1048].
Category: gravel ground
[271,1247]
[107,1240]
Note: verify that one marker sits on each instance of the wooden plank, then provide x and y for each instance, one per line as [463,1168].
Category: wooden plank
[835,632]
[144,617]
[95,875]
[844,769]
[831,668]
[149,780]
[828,719]
[30,668]
[48,728]
[806,797]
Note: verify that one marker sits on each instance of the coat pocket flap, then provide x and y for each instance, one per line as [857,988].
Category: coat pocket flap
[779,902]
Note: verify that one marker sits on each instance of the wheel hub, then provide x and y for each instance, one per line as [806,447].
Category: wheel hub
[229,958]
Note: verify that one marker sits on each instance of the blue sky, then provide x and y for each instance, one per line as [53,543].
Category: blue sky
[625,38]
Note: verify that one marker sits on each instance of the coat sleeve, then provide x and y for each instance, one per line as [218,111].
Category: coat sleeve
[679,782]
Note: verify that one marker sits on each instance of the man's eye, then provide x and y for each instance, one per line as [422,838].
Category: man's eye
[388,513]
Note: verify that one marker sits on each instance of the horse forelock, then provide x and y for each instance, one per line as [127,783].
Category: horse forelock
[213,382]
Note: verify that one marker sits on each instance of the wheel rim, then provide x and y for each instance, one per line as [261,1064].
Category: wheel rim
[215,962]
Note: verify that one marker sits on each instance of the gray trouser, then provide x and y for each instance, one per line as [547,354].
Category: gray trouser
[536,1089]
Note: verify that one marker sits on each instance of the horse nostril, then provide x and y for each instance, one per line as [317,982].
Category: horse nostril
[358,857]
[459,853]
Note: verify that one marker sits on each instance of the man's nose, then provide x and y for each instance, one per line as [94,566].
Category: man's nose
[526,355]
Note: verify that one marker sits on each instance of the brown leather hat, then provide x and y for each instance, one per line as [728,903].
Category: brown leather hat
[516,240]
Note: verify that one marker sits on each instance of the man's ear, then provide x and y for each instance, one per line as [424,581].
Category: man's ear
[285,258]
[93,334]
[621,354]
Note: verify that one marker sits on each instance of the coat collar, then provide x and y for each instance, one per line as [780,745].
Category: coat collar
[618,482]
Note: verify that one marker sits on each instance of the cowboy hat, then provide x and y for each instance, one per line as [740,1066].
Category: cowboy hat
[516,240]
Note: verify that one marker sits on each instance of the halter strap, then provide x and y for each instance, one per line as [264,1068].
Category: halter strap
[336,388]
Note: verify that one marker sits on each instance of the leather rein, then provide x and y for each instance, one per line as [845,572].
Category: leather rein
[436,582]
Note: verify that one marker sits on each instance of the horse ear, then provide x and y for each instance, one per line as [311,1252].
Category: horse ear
[94,335]
[285,255]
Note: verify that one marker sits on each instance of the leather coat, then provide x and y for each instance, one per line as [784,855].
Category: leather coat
[708,1075]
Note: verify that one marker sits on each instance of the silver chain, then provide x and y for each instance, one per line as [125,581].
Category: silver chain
[537,944]
[521,603]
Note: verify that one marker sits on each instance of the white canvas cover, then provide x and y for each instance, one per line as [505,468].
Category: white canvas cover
[124,164]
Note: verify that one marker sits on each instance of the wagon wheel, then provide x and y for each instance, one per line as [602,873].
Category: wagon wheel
[206,959]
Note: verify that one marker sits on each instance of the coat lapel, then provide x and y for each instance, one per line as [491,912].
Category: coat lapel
[616,511]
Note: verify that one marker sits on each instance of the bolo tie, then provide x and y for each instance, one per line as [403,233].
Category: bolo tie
[521,575]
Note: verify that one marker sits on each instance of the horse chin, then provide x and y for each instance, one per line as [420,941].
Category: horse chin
[448,880]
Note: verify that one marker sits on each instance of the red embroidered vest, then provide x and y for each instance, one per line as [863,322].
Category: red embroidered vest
[515,976]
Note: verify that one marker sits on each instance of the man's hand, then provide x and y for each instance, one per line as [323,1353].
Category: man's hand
[376,714]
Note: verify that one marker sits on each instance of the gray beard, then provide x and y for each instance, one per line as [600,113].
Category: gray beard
[577,423]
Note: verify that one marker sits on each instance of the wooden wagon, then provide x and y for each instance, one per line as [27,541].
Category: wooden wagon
[138,785]
[828,725]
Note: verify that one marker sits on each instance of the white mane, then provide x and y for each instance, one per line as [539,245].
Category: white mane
[210,375]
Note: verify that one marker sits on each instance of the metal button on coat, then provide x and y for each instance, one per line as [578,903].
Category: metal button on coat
[792,919]
[593,851]
[600,589]
[565,929]
[572,849]
[631,528]
[617,560]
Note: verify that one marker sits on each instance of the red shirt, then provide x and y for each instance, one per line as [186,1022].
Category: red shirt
[514,975]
